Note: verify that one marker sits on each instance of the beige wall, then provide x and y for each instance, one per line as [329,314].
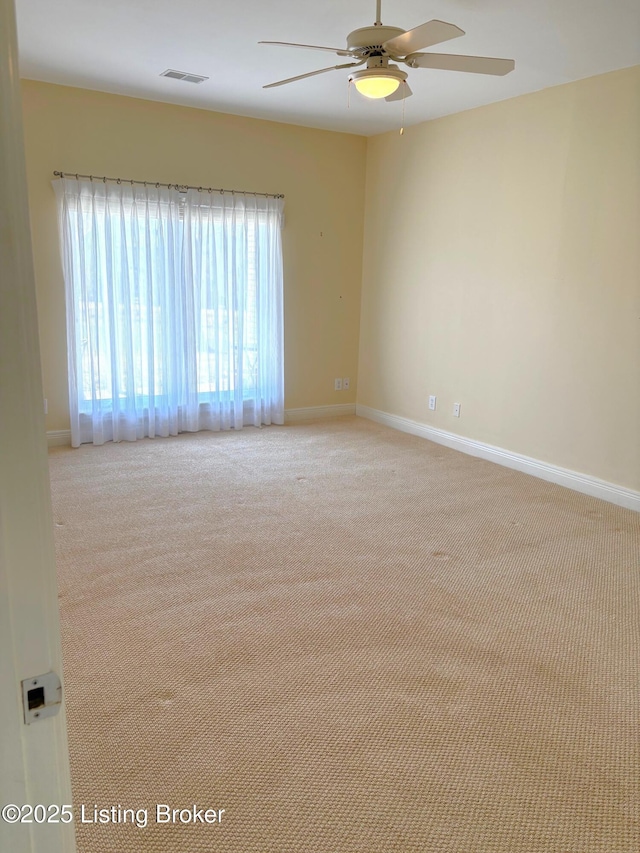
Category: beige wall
[321,174]
[501,267]
[502,271]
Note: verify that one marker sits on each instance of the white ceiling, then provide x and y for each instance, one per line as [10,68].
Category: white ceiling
[122,46]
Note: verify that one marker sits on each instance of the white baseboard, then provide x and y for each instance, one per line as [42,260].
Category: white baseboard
[59,438]
[292,416]
[584,483]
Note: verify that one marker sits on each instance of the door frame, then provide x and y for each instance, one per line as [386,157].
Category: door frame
[34,758]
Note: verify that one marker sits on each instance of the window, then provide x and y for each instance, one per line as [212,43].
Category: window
[174,309]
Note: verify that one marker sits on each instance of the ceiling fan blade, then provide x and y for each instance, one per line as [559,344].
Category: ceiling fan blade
[471,64]
[339,50]
[403,91]
[425,35]
[311,74]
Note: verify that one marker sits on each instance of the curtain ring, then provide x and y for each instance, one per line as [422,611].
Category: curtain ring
[157,186]
[91,178]
[76,176]
[104,180]
[221,192]
[199,189]
[210,190]
[119,181]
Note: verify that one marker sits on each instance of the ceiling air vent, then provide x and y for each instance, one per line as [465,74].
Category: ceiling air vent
[182,75]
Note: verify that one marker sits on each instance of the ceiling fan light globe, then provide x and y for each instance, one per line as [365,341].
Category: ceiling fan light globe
[376,87]
[378,82]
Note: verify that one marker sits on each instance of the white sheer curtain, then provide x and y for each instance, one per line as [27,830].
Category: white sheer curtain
[174,309]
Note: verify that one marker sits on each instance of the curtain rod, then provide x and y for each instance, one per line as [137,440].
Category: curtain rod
[179,187]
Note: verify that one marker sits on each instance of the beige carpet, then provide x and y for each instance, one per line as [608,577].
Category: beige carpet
[350,639]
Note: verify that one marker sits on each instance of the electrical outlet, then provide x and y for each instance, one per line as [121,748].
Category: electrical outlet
[346,383]
[456,410]
[432,403]
[337,384]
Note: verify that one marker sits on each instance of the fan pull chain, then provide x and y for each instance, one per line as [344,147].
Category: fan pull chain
[349,95]
[404,98]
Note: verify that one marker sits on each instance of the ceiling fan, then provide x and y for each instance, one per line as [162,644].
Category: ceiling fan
[375,46]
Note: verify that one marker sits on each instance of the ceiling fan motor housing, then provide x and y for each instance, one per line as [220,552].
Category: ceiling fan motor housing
[368,40]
